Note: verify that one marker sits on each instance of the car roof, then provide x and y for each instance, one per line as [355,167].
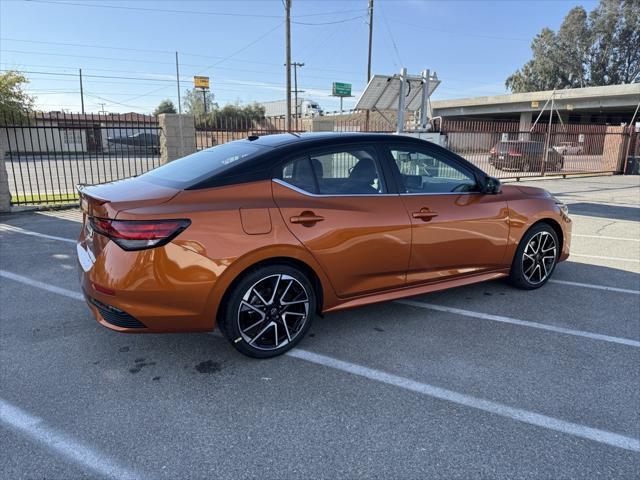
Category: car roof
[316,138]
[273,149]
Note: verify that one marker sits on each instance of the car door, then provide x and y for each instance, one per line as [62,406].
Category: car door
[337,203]
[457,229]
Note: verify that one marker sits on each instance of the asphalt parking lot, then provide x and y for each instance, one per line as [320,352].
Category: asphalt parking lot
[484,381]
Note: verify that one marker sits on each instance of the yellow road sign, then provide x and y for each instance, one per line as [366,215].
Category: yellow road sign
[201,82]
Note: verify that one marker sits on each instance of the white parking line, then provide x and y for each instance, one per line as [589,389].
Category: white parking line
[603,237]
[600,257]
[525,416]
[596,287]
[523,323]
[72,450]
[44,286]
[10,228]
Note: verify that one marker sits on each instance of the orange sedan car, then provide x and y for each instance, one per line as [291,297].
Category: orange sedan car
[258,236]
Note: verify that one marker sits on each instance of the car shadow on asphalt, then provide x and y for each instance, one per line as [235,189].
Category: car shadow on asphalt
[612,212]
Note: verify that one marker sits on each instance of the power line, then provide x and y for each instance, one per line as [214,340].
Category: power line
[193,12]
[92,76]
[91,69]
[393,41]
[233,82]
[146,9]
[172,80]
[54,54]
[359,17]
[456,33]
[191,54]
[249,45]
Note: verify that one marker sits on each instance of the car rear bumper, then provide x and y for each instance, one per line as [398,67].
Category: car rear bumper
[507,162]
[164,289]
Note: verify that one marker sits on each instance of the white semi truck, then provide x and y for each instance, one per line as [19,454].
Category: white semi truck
[278,108]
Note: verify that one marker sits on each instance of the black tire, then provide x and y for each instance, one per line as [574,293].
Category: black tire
[246,300]
[521,275]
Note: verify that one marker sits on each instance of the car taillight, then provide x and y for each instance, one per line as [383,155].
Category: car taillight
[514,153]
[139,234]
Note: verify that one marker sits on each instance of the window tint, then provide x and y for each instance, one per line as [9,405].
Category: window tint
[195,167]
[424,173]
[343,172]
[299,173]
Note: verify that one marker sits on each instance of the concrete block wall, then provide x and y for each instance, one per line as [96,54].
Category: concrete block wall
[177,136]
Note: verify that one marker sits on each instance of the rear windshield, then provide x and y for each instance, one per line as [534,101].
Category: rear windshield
[198,166]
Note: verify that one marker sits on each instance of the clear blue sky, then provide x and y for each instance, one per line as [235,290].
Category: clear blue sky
[472,45]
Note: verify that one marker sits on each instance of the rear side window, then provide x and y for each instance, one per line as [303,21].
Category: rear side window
[193,168]
[339,172]
[299,173]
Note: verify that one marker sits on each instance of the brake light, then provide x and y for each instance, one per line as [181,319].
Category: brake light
[139,234]
[514,153]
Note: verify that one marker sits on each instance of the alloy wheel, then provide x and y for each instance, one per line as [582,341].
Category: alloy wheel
[539,257]
[273,312]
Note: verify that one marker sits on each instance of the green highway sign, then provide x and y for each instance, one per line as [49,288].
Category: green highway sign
[341,89]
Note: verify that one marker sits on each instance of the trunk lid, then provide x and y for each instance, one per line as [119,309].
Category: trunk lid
[106,200]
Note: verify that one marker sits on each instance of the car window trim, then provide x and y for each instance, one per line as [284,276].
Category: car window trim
[435,153]
[280,181]
[390,187]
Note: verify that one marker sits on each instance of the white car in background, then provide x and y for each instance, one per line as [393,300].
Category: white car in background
[568,148]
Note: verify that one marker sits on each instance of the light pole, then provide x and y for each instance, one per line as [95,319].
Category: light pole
[295,91]
[369,58]
[287,7]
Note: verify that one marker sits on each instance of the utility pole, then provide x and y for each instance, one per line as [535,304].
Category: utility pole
[295,90]
[401,103]
[369,59]
[178,84]
[102,110]
[287,118]
[179,106]
[81,92]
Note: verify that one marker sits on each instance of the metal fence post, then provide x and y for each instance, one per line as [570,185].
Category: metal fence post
[5,194]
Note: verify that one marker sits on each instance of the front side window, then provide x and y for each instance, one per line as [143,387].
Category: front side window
[423,172]
[341,172]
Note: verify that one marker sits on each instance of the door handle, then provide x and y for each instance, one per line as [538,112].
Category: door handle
[425,215]
[306,217]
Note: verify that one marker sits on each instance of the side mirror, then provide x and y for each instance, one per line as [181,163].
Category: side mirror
[492,186]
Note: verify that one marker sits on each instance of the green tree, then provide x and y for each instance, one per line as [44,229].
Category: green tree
[165,106]
[236,114]
[14,101]
[600,48]
[230,116]
[194,104]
